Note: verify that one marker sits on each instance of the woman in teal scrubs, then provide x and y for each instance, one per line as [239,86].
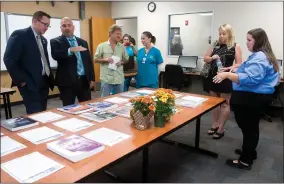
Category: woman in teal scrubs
[148,59]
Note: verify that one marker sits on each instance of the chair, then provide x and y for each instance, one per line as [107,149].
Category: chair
[174,76]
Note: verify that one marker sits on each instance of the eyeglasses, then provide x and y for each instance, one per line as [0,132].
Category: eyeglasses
[45,24]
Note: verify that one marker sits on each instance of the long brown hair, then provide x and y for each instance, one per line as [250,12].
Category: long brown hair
[262,44]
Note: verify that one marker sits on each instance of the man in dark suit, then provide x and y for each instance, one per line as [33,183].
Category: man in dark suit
[75,70]
[27,62]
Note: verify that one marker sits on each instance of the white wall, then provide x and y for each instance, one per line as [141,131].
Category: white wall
[129,26]
[243,16]
[195,35]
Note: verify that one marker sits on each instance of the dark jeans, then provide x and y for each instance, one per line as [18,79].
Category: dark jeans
[79,89]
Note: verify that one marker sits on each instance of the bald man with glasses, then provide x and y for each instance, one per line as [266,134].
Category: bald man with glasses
[27,62]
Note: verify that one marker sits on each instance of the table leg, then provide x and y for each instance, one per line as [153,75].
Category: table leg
[5,106]
[145,158]
[145,165]
[9,106]
[196,145]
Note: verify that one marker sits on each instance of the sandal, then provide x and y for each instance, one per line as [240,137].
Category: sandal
[218,135]
[212,131]
[238,165]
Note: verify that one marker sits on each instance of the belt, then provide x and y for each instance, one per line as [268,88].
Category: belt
[81,76]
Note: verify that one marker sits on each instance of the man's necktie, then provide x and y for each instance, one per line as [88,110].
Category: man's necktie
[39,44]
[80,67]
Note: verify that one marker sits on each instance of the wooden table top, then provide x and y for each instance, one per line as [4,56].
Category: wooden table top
[73,172]
[7,90]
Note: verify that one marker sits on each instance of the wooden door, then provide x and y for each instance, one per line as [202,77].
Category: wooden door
[99,33]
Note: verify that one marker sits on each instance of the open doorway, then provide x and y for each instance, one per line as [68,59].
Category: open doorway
[129,26]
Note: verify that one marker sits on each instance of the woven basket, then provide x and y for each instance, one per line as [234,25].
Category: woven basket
[141,122]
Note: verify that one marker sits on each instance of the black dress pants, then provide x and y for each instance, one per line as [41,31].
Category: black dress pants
[80,89]
[248,109]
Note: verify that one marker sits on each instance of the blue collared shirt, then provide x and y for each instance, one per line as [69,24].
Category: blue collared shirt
[256,75]
[78,55]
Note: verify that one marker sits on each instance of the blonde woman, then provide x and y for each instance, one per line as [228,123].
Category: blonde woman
[226,50]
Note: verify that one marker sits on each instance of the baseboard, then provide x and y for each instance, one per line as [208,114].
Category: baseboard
[22,102]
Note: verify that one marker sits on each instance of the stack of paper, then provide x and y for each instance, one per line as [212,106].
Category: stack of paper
[102,106]
[75,109]
[113,65]
[177,95]
[190,101]
[145,92]
[117,100]
[31,167]
[9,145]
[18,123]
[75,148]
[40,135]
[123,111]
[131,94]
[99,116]
[46,117]
[106,136]
[73,124]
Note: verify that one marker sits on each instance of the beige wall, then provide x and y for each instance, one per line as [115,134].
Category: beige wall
[61,9]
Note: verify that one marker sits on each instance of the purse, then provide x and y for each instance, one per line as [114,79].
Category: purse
[205,70]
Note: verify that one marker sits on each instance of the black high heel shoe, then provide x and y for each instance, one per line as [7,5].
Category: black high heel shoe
[218,135]
[212,131]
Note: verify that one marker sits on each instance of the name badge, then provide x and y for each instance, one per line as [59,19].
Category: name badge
[143,60]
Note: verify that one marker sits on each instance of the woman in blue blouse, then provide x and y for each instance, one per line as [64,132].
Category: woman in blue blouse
[148,60]
[129,44]
[253,85]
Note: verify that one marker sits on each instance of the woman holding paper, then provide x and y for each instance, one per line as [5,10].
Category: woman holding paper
[253,86]
[148,60]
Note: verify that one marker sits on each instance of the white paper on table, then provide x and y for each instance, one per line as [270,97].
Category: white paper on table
[73,124]
[194,98]
[128,104]
[113,65]
[40,135]
[9,145]
[31,167]
[106,136]
[117,100]
[177,95]
[46,117]
[145,91]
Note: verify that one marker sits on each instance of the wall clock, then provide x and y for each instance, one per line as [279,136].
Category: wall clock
[151,7]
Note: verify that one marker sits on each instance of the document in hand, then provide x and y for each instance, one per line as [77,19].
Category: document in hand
[113,65]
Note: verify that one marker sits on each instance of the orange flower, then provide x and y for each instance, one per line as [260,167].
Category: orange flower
[152,107]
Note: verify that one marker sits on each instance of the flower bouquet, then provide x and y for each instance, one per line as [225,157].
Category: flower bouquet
[142,111]
[165,106]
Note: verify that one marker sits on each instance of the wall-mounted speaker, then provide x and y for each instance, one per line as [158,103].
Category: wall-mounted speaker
[82,9]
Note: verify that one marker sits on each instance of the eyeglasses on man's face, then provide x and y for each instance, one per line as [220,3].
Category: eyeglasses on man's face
[45,24]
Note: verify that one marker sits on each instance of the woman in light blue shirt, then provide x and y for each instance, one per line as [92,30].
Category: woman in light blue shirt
[253,85]
[148,60]
[129,44]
